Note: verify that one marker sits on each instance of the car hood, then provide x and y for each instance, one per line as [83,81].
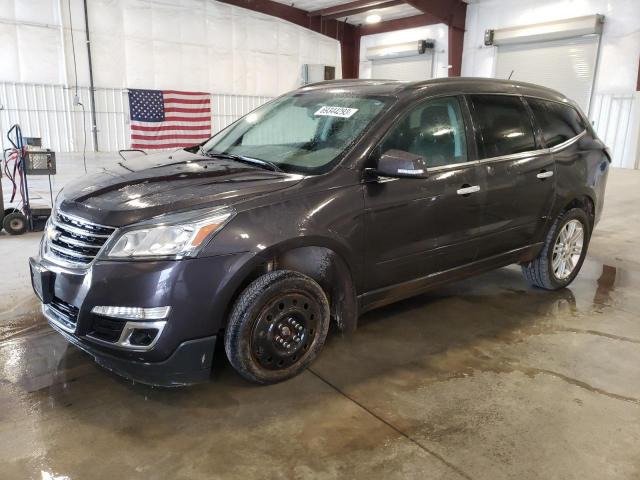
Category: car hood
[148,186]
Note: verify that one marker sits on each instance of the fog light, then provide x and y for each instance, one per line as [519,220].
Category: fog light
[143,336]
[132,313]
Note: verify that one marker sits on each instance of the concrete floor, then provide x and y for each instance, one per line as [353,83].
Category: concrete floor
[484,379]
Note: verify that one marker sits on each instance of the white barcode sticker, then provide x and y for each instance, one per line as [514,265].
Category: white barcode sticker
[342,112]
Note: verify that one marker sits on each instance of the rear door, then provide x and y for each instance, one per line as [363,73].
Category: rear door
[517,170]
[563,131]
[419,226]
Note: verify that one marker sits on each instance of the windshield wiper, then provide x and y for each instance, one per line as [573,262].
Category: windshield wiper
[239,158]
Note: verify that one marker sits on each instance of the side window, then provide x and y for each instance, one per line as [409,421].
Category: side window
[504,125]
[434,130]
[558,122]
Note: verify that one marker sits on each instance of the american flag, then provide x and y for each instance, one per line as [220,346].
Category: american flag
[169,118]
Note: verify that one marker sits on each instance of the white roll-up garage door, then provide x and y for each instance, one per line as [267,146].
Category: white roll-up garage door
[561,54]
[567,65]
[414,68]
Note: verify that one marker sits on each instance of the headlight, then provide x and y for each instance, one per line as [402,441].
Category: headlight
[178,235]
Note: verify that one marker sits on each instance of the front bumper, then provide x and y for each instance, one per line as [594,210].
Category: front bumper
[190,363]
[197,290]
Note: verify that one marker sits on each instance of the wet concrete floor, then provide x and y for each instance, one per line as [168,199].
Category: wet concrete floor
[483,379]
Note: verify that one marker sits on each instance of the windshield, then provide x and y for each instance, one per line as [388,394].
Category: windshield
[301,133]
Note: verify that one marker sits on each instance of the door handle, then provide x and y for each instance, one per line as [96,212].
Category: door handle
[468,190]
[544,174]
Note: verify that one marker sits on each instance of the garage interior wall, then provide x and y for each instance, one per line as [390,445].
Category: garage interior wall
[615,110]
[437,32]
[243,58]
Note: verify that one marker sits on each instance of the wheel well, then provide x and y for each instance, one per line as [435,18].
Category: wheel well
[324,266]
[585,203]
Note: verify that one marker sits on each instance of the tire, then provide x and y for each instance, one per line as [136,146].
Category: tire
[277,327]
[15,223]
[542,272]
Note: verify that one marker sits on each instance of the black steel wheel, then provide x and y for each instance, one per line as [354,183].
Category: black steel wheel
[15,223]
[277,327]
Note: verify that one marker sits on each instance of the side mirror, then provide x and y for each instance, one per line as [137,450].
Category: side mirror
[398,163]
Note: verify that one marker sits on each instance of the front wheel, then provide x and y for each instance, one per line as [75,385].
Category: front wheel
[277,327]
[564,250]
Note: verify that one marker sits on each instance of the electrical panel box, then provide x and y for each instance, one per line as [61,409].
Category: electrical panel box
[40,162]
[312,73]
[488,37]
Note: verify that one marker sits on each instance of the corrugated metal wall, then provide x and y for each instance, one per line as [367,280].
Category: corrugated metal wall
[226,109]
[47,111]
[612,119]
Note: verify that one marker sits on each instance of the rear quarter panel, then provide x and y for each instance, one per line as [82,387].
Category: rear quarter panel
[581,170]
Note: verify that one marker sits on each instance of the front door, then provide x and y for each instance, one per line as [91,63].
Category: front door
[417,227]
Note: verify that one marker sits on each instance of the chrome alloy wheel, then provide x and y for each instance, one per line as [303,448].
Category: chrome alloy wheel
[567,249]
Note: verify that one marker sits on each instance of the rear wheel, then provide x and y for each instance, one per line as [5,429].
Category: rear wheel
[564,250]
[15,223]
[277,327]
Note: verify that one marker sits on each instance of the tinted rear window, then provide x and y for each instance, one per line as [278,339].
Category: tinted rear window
[558,122]
[504,125]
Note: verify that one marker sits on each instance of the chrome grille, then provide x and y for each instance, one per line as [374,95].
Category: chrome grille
[75,240]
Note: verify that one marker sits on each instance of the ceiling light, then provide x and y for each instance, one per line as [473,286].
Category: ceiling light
[373,18]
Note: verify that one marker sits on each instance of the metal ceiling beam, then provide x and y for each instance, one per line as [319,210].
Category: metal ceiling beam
[451,12]
[275,9]
[399,24]
[353,8]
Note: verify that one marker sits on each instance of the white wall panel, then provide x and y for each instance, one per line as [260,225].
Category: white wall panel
[167,23]
[193,25]
[326,52]
[8,8]
[81,59]
[240,33]
[37,11]
[288,74]
[263,35]
[240,82]
[221,72]
[288,39]
[39,53]
[265,62]
[9,52]
[139,62]
[107,16]
[107,52]
[195,68]
[137,19]
[220,32]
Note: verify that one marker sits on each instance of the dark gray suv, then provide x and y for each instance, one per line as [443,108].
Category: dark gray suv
[318,206]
